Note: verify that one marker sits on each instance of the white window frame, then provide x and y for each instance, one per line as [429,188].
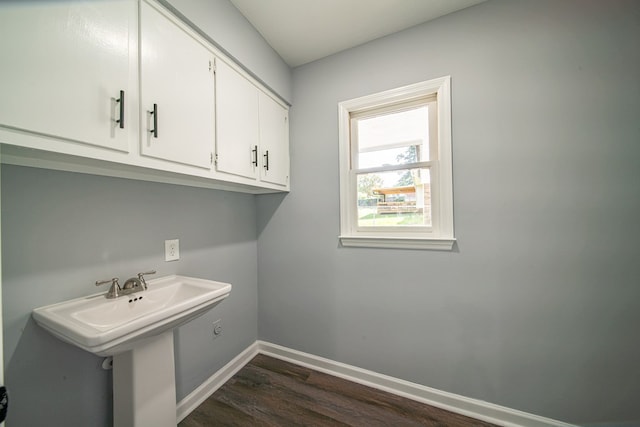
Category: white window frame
[440,235]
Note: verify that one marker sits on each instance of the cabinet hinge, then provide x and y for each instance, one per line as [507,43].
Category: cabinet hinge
[212,65]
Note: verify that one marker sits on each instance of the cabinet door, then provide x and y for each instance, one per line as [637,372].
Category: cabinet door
[177,92]
[237,149]
[63,67]
[274,141]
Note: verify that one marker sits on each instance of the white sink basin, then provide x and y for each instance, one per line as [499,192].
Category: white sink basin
[107,327]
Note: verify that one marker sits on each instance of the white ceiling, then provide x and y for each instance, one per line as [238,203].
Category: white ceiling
[302,31]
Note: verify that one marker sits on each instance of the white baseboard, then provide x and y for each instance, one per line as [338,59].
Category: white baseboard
[215,381]
[613,424]
[478,409]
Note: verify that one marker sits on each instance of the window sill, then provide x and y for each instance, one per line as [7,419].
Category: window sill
[442,244]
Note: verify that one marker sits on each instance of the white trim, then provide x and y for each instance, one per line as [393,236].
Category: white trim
[214,382]
[441,177]
[35,158]
[397,243]
[1,327]
[474,408]
[444,176]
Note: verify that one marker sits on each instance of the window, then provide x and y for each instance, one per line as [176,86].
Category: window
[395,168]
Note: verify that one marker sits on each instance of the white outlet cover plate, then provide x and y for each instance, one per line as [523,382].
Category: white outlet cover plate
[172,250]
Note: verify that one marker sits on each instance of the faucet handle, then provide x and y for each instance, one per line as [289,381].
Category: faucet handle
[148,272]
[113,291]
[141,277]
[113,281]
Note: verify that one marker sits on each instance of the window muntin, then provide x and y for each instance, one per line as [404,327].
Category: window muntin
[396,191]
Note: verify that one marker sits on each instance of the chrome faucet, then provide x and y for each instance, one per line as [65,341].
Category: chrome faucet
[114,290]
[130,285]
[141,277]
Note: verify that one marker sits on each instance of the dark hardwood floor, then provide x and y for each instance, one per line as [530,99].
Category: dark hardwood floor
[271,392]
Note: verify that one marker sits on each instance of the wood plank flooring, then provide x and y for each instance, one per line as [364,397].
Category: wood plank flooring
[271,392]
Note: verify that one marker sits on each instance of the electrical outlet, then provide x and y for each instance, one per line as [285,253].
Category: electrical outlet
[217,328]
[172,250]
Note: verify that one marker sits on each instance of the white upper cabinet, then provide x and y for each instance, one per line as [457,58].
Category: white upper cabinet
[252,135]
[125,88]
[237,123]
[177,92]
[274,141]
[63,68]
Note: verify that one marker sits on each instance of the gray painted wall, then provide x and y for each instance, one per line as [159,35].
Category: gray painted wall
[537,308]
[62,231]
[231,31]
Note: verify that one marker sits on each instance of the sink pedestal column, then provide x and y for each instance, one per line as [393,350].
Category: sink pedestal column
[144,384]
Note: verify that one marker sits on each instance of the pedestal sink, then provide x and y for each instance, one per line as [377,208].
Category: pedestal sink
[137,330]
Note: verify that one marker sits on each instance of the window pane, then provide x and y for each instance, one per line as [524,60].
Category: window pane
[391,156]
[394,139]
[392,199]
